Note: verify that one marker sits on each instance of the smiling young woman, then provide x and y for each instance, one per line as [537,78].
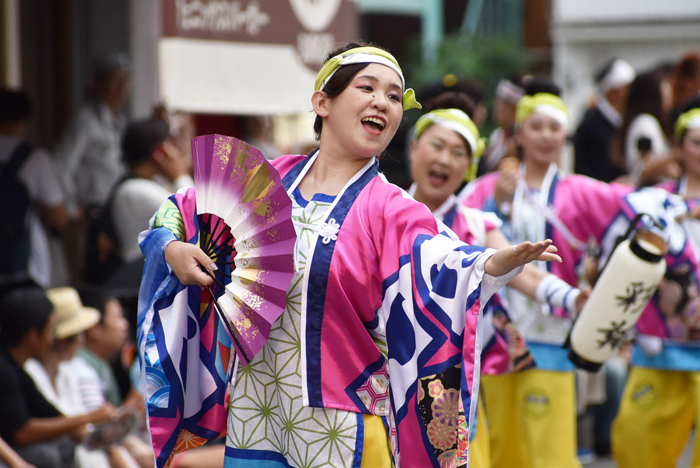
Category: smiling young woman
[381,294]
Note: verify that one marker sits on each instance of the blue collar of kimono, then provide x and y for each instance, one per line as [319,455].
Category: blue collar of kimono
[314,298]
[447,211]
[541,202]
[449,218]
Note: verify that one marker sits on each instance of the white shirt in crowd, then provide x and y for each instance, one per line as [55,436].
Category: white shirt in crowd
[67,397]
[88,156]
[43,186]
[643,126]
[135,202]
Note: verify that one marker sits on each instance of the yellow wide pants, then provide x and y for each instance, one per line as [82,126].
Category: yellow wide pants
[657,413]
[480,447]
[531,419]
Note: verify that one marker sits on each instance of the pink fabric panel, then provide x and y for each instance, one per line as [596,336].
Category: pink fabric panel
[188,207]
[162,430]
[285,163]
[480,190]
[353,274]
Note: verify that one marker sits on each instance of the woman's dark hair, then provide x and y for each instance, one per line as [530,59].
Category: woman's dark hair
[688,105]
[141,138]
[473,88]
[644,98]
[96,298]
[536,84]
[452,100]
[341,78]
[683,77]
[22,310]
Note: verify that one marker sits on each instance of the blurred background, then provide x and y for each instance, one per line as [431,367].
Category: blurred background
[246,68]
[222,61]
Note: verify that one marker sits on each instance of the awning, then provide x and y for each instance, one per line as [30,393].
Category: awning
[248,57]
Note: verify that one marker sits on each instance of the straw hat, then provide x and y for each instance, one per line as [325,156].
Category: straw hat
[71,317]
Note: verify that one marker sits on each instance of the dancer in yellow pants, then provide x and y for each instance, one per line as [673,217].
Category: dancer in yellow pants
[661,402]
[659,407]
[524,410]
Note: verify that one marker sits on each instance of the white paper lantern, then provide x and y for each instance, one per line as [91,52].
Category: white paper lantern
[621,294]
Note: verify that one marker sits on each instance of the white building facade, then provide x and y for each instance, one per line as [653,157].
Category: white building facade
[585,34]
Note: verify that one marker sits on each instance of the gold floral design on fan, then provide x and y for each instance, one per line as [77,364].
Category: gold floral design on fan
[222,150]
[257,182]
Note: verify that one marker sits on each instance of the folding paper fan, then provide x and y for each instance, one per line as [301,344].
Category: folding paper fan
[245,220]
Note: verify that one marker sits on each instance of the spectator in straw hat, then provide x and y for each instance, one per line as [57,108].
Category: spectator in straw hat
[38,431]
[51,372]
[56,375]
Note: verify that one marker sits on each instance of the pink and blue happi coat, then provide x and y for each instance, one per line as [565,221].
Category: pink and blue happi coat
[185,351]
[393,271]
[570,210]
[586,206]
[669,328]
[504,350]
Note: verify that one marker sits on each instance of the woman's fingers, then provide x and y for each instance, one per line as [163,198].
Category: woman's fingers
[549,257]
[185,260]
[545,252]
[200,258]
[200,277]
[542,250]
[204,260]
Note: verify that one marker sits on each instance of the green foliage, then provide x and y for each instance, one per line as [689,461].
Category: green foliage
[486,59]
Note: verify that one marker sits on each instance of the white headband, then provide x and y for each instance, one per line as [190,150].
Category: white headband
[365,58]
[456,126]
[621,74]
[551,111]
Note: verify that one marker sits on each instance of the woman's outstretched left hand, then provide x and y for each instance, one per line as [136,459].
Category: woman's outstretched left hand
[509,258]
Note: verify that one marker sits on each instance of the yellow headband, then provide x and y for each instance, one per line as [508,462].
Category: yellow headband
[690,119]
[366,55]
[459,122]
[543,103]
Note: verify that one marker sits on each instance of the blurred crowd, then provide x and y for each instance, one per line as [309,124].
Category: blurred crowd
[70,272]
[71,265]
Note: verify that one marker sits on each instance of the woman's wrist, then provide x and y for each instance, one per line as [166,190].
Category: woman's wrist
[557,293]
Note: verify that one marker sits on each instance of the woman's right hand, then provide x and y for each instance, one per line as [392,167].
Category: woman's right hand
[509,258]
[185,260]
